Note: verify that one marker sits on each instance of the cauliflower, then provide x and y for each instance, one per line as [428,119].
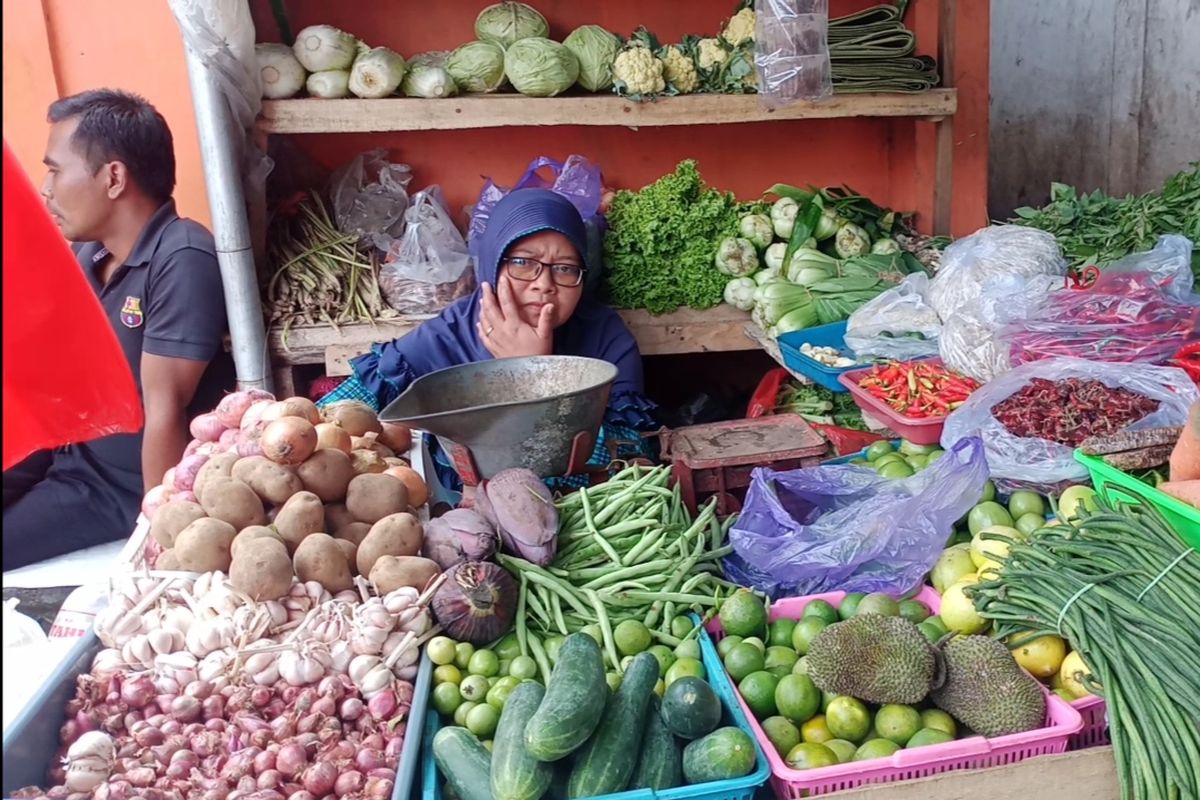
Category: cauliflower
[637,71]
[678,70]
[740,27]
[711,54]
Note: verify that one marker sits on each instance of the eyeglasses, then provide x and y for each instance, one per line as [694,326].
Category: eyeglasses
[530,269]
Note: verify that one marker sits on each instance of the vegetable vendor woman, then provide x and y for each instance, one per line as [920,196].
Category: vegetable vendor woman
[532,299]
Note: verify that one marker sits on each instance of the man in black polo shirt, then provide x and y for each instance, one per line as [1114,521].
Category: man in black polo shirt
[111,173]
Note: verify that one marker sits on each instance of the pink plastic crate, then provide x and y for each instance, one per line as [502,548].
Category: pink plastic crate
[977,752]
[1095,723]
[917,431]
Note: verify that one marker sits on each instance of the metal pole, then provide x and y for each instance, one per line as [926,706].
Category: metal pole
[230,224]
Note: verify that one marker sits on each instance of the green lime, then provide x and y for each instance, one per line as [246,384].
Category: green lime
[688,648]
[497,696]
[987,514]
[815,730]
[614,680]
[462,655]
[884,460]
[664,656]
[842,749]
[446,698]
[781,733]
[936,620]
[806,630]
[505,666]
[447,673]
[939,720]
[779,632]
[914,610]
[876,748]
[552,645]
[897,723]
[1028,523]
[1025,502]
[743,614]
[821,609]
[896,469]
[878,449]
[758,690]
[485,663]
[741,661]
[797,698]
[848,718]
[492,681]
[508,648]
[688,667]
[810,755]
[523,668]
[482,720]
[918,462]
[460,713]
[631,637]
[756,642]
[801,666]
[849,606]
[594,631]
[474,688]
[826,699]
[441,650]
[783,658]
[681,626]
[930,631]
[728,643]
[934,456]
[878,603]
[660,688]
[928,736]
[989,492]
[625,662]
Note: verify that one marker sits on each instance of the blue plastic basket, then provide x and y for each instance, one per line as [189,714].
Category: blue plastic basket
[822,336]
[734,789]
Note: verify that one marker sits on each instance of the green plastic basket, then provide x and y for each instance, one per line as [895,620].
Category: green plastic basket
[1116,486]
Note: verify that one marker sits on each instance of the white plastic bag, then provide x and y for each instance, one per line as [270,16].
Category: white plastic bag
[884,327]
[429,267]
[1042,463]
[791,51]
[20,630]
[370,197]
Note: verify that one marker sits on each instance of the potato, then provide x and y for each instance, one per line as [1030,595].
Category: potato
[370,498]
[353,532]
[262,569]
[166,561]
[350,551]
[204,545]
[320,559]
[274,483]
[172,517]
[393,572]
[371,444]
[302,515]
[251,534]
[394,535]
[234,502]
[367,462]
[327,474]
[337,517]
[219,466]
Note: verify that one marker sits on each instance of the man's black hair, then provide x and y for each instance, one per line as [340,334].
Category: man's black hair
[120,126]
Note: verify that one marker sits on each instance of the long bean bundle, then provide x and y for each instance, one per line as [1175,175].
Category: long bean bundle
[1122,588]
[627,549]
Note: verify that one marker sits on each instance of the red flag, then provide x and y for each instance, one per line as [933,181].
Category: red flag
[65,377]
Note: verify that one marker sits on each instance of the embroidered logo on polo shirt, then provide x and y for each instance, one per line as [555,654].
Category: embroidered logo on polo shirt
[131,312]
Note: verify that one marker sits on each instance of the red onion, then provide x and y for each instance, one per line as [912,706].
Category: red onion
[383,772]
[351,709]
[260,696]
[149,737]
[240,763]
[477,603]
[310,722]
[320,778]
[68,732]
[394,746]
[185,497]
[374,742]
[367,760]
[270,779]
[325,706]
[228,440]
[331,686]
[198,689]
[58,793]
[261,738]
[137,692]
[283,727]
[274,708]
[302,795]
[378,788]
[169,727]
[151,710]
[114,790]
[213,707]
[186,471]
[185,709]
[86,721]
[249,440]
[247,785]
[215,724]
[348,782]
[207,428]
[383,705]
[141,777]
[249,723]
[205,744]
[114,723]
[341,751]
[291,759]
[233,407]
[304,700]
[265,761]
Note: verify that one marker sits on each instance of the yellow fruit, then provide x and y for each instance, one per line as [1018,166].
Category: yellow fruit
[1073,498]
[988,552]
[954,563]
[958,611]
[1072,671]
[1042,657]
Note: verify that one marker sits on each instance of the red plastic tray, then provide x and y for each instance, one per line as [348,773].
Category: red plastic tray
[917,431]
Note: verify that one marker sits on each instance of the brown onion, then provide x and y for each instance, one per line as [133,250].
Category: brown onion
[357,418]
[331,437]
[289,440]
[298,407]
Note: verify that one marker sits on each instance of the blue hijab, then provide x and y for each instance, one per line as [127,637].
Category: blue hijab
[451,338]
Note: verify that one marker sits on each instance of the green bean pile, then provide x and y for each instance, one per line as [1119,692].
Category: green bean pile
[1122,588]
[627,549]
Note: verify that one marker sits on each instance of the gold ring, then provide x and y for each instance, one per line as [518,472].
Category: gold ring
[488,332]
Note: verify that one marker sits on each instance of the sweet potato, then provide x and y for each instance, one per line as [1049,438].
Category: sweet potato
[234,502]
[353,532]
[172,517]
[320,559]
[350,551]
[219,466]
[204,545]
[337,517]
[393,572]
[299,517]
[394,535]
[270,481]
[370,498]
[327,474]
[253,533]
[262,569]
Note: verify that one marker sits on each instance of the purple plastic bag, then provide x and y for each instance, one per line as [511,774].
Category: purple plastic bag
[844,528]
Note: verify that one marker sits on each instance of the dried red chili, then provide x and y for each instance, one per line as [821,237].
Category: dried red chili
[1070,410]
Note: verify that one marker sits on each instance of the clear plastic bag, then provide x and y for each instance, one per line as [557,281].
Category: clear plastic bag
[1168,266]
[370,198]
[1024,461]
[791,51]
[884,327]
[429,267]
[842,527]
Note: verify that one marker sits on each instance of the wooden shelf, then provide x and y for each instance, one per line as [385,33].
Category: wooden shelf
[720,329]
[313,115]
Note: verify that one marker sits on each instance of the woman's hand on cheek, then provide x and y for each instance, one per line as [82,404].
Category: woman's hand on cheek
[502,330]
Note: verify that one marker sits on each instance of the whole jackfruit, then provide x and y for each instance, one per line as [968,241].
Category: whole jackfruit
[986,690]
[874,658]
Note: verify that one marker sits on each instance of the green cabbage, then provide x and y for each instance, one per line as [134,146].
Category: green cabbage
[477,66]
[540,67]
[508,22]
[596,50]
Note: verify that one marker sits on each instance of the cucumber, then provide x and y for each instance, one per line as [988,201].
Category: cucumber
[606,762]
[574,701]
[515,774]
[464,761]
[660,764]
[724,754]
[690,708]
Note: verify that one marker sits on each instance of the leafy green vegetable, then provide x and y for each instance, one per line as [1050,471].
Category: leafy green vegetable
[661,241]
[818,404]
